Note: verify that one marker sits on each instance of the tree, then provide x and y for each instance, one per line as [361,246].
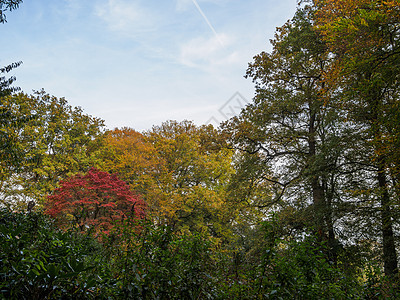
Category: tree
[291,135]
[182,172]
[55,141]
[95,200]
[364,38]
[11,156]
[193,178]
[9,153]
[127,153]
[6,83]
[8,149]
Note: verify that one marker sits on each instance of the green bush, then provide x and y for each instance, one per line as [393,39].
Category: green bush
[38,261]
[157,263]
[140,260]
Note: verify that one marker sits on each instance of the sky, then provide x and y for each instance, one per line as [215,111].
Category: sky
[138,63]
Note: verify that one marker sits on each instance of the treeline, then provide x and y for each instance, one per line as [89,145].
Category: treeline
[296,197]
[322,133]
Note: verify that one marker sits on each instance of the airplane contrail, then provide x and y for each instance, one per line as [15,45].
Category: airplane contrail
[207,21]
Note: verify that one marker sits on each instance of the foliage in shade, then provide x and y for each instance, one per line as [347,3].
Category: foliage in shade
[96,201]
[363,37]
[39,261]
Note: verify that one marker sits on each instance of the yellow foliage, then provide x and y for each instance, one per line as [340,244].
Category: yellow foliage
[180,170]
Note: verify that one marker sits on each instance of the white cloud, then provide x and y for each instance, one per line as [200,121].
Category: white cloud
[157,60]
[125,16]
[208,53]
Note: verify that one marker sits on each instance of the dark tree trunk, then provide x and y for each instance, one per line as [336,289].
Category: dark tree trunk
[389,249]
[318,196]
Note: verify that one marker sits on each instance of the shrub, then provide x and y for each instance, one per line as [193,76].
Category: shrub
[38,261]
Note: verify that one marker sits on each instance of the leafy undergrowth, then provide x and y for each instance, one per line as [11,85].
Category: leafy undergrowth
[143,261]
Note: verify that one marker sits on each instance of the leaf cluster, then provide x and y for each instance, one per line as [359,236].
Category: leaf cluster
[94,202]
[38,261]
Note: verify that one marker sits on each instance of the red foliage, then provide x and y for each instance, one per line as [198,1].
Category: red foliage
[96,200]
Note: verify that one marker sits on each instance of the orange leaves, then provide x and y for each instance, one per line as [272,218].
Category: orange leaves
[126,152]
[181,171]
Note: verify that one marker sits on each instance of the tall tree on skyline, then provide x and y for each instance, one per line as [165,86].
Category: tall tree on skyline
[364,37]
[289,129]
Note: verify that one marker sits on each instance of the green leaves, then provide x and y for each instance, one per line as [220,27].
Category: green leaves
[54,141]
[161,263]
[38,261]
[364,37]
[284,134]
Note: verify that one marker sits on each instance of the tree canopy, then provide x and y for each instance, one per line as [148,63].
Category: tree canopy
[54,142]
[296,197]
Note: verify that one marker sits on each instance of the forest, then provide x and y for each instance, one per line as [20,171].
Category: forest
[296,197]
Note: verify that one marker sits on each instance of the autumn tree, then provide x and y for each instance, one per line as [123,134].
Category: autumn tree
[363,36]
[290,135]
[94,201]
[127,153]
[181,170]
[195,173]
[56,141]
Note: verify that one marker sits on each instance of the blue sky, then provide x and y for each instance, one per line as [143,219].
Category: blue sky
[138,63]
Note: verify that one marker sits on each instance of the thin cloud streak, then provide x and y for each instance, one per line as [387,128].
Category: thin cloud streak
[207,21]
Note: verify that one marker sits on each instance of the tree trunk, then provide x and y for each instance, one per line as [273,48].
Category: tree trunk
[318,196]
[389,249]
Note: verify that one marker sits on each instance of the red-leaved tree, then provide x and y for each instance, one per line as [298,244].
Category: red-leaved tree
[96,200]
